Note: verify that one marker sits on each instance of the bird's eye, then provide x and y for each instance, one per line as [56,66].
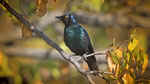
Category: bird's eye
[66,16]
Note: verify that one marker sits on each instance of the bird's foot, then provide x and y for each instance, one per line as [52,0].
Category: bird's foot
[84,56]
[74,56]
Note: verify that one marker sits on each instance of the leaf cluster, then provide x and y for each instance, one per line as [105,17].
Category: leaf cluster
[127,60]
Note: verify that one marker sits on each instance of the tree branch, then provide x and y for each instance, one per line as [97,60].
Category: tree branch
[51,43]
[46,39]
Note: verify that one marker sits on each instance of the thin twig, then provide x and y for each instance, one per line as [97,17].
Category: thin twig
[101,76]
[101,72]
[98,53]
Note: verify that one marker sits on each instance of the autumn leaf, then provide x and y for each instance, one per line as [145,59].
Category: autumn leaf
[118,53]
[133,44]
[111,64]
[26,32]
[114,58]
[41,7]
[127,78]
[145,62]
[117,69]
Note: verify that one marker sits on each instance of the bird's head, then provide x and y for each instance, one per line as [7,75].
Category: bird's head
[67,19]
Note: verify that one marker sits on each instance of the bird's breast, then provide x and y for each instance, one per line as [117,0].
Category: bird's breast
[69,33]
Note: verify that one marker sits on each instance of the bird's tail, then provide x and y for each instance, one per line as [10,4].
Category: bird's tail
[92,63]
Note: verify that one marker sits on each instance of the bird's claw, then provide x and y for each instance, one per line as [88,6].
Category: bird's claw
[75,57]
[84,56]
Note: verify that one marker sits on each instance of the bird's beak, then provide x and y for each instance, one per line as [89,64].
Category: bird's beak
[59,17]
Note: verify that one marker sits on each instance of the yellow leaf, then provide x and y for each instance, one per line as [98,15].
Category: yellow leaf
[128,56]
[127,67]
[118,53]
[145,62]
[111,65]
[133,44]
[117,69]
[26,32]
[127,78]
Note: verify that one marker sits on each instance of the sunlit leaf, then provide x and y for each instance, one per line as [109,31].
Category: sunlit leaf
[132,72]
[114,58]
[127,67]
[26,32]
[145,62]
[122,69]
[117,69]
[41,7]
[133,44]
[128,56]
[125,54]
[118,53]
[111,65]
[127,78]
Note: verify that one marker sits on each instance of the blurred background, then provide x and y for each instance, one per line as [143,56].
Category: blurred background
[32,61]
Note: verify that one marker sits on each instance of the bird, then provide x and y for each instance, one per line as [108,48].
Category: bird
[77,40]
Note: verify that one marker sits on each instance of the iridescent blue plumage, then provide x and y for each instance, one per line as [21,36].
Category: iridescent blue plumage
[77,39]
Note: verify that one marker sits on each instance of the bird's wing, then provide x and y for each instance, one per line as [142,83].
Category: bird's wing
[91,61]
[88,41]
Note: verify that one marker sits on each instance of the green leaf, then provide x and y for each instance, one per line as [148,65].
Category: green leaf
[125,54]
[128,79]
[133,44]
[145,62]
[133,34]
[113,42]
[128,57]
[122,69]
[114,58]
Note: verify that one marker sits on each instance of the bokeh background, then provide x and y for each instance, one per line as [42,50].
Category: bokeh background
[32,61]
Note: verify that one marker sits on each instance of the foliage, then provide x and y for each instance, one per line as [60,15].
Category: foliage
[125,61]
